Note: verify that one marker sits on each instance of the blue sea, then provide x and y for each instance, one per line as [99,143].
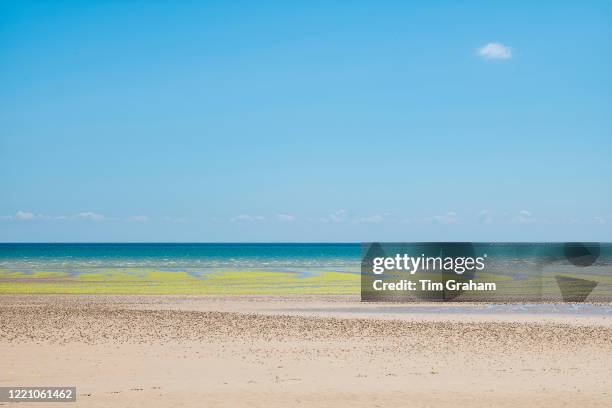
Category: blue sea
[292,257]
[190,257]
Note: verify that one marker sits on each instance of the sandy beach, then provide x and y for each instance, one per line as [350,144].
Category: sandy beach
[251,351]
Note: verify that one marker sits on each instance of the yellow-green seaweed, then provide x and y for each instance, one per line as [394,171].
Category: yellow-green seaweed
[154,282]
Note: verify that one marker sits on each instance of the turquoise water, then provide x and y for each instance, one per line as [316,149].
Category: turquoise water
[298,257]
[187,256]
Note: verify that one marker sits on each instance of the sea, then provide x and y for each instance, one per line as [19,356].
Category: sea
[202,257]
[519,262]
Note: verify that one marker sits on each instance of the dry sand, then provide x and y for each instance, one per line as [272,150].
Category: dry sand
[311,351]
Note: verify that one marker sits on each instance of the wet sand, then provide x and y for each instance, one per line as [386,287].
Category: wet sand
[305,351]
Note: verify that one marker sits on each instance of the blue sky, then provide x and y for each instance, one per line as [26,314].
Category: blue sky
[318,121]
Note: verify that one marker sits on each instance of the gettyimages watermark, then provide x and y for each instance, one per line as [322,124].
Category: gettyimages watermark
[486,272]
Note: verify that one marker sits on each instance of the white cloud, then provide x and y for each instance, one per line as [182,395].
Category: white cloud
[87,216]
[285,217]
[247,218]
[524,217]
[81,216]
[449,217]
[25,215]
[600,220]
[485,217]
[30,216]
[138,218]
[495,51]
[338,216]
[343,216]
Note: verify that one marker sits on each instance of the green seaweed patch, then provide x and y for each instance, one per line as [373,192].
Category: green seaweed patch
[154,282]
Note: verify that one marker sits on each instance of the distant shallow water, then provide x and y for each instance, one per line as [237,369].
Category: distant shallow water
[554,309]
[191,258]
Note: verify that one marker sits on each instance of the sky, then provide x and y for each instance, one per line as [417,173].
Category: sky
[269,121]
